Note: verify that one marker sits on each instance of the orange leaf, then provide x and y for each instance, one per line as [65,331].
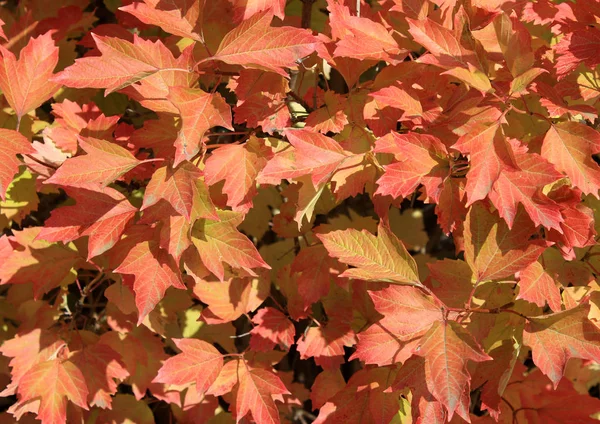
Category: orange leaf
[199,112]
[255,394]
[54,382]
[255,44]
[26,82]
[199,362]
[556,338]
[13,143]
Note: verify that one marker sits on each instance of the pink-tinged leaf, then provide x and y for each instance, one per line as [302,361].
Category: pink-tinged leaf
[363,38]
[103,164]
[154,270]
[446,348]
[331,116]
[120,64]
[256,392]
[175,236]
[100,366]
[570,146]
[220,241]
[447,51]
[199,112]
[537,286]
[312,153]
[2,34]
[25,82]
[407,316]
[30,260]
[199,362]
[184,189]
[179,17]
[556,338]
[524,185]
[364,400]
[515,42]
[12,143]
[239,166]
[376,258]
[102,214]
[402,98]
[326,385]
[255,44]
[314,267]
[422,159]
[490,154]
[326,344]
[492,250]
[245,9]
[579,46]
[53,382]
[272,328]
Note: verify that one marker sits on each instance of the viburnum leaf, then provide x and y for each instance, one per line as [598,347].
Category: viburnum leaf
[101,367]
[199,112]
[247,8]
[103,214]
[199,362]
[376,258]
[407,315]
[13,143]
[490,154]
[362,38]
[104,163]
[446,348]
[579,46]
[31,260]
[447,51]
[312,153]
[25,82]
[184,189]
[326,344]
[54,382]
[256,44]
[363,400]
[238,165]
[228,300]
[569,146]
[180,17]
[120,64]
[423,159]
[492,250]
[272,328]
[524,185]
[537,286]
[556,338]
[255,394]
[402,98]
[154,270]
[220,241]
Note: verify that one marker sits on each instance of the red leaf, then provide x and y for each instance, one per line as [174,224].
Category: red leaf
[255,44]
[25,82]
[557,337]
[446,348]
[271,328]
[199,112]
[103,164]
[537,286]
[198,363]
[184,189]
[154,270]
[102,214]
[238,165]
[13,144]
[54,382]
[255,394]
